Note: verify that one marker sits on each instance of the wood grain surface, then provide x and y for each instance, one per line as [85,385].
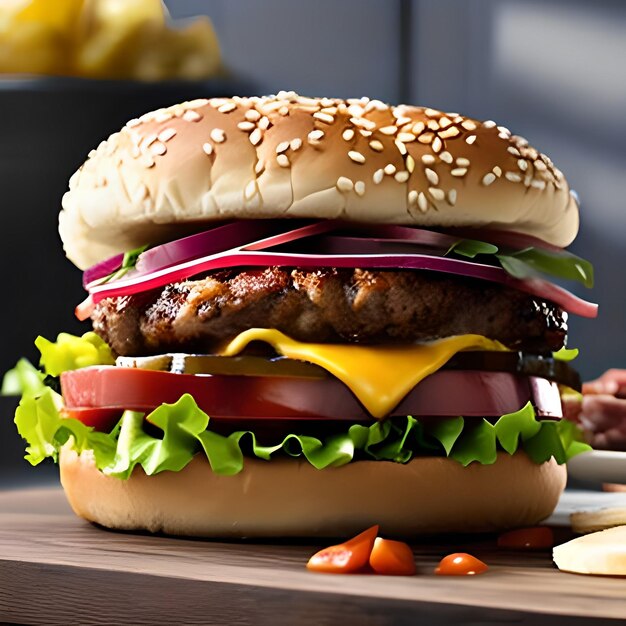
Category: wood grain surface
[58,569]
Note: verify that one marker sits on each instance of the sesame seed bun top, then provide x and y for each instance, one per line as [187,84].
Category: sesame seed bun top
[171,170]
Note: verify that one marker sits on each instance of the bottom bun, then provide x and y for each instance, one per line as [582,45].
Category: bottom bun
[287,497]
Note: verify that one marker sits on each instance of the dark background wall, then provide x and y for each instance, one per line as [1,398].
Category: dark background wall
[551,70]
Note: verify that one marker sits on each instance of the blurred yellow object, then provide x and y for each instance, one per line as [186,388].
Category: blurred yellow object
[123,39]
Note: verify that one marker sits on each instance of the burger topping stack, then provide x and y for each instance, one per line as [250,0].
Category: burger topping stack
[289,281]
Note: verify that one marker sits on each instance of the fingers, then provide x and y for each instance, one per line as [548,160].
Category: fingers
[612,382]
[572,407]
[601,414]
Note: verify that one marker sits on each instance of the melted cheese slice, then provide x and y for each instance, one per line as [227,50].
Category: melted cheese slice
[380,375]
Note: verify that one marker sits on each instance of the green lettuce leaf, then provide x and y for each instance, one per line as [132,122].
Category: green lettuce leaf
[565,354]
[530,262]
[169,437]
[24,379]
[70,352]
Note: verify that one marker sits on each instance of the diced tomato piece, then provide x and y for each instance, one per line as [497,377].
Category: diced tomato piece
[393,558]
[350,556]
[460,564]
[536,538]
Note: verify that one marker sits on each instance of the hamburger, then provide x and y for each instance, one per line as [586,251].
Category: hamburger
[311,315]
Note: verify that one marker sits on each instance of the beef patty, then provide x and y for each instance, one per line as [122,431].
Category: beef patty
[326,305]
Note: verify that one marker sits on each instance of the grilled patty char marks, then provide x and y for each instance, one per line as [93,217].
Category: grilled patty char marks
[326,306]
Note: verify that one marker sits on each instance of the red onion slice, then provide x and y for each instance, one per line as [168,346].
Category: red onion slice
[538,287]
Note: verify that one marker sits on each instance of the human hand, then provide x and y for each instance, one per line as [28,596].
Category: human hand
[602,411]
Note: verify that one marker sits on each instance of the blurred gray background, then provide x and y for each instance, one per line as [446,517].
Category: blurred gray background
[553,71]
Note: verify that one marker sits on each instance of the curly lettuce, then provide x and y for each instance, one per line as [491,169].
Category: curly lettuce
[183,430]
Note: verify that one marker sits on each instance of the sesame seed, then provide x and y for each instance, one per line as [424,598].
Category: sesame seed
[410,163]
[462,162]
[147,160]
[355,110]
[503,135]
[513,177]
[378,177]
[361,122]
[255,136]
[283,146]
[432,124]
[418,128]
[504,130]
[166,134]
[497,170]
[459,171]
[390,169]
[359,188]
[514,151]
[218,135]
[406,137]
[245,126]
[250,190]
[452,197]
[437,144]
[470,140]
[538,184]
[365,133]
[330,110]
[444,121]
[344,184]
[192,116]
[430,112]
[132,123]
[348,134]
[422,202]
[401,121]
[523,165]
[150,139]
[402,177]
[227,108]
[401,147]
[252,115]
[426,137]
[489,124]
[413,197]
[141,193]
[528,179]
[295,144]
[357,157]
[259,167]
[453,131]
[208,148]
[388,130]
[488,178]
[264,123]
[282,160]
[376,145]
[315,135]
[428,159]
[468,125]
[540,166]
[158,148]
[432,177]
[324,117]
[446,157]
[284,111]
[436,194]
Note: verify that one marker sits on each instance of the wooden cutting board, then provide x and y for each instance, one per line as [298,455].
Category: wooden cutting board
[58,569]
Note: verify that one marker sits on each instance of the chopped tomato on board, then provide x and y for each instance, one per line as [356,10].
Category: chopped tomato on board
[460,564]
[392,558]
[535,538]
[350,556]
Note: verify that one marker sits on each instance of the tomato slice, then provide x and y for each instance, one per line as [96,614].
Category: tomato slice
[102,419]
[294,398]
[535,538]
[460,564]
[344,558]
[392,558]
